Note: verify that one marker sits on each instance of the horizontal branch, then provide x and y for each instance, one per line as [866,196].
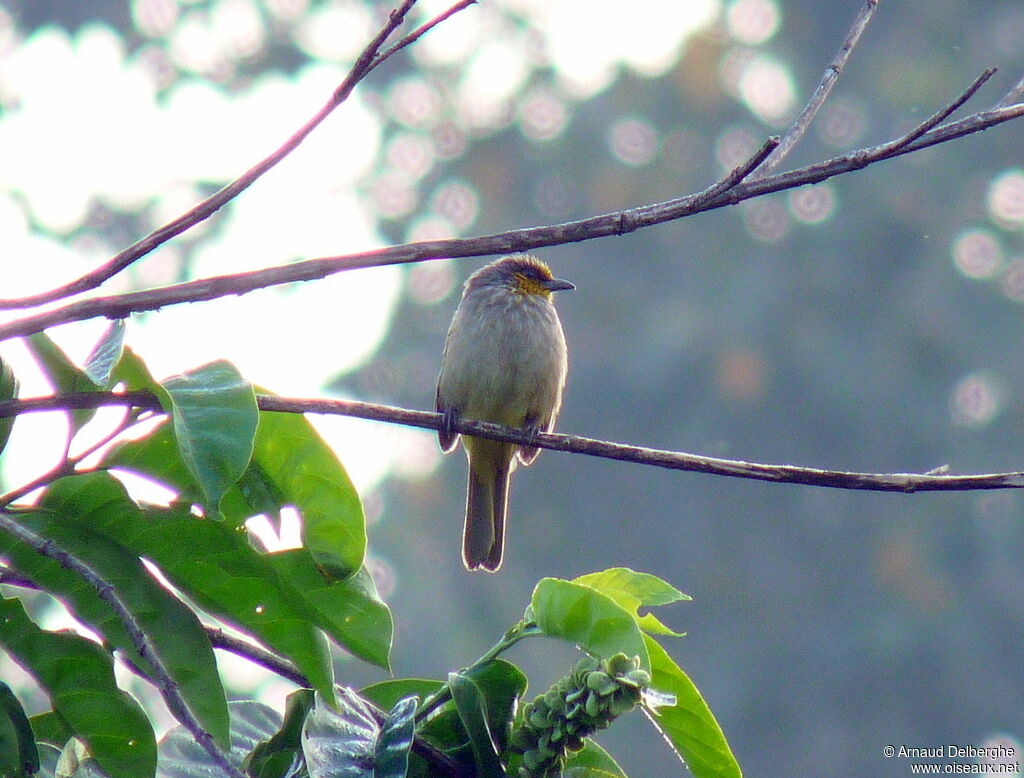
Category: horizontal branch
[616,223]
[575,444]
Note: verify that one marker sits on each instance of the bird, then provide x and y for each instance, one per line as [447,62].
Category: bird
[505,361]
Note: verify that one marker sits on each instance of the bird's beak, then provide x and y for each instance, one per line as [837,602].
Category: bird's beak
[559,285]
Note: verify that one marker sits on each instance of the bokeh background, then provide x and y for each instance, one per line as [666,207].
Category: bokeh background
[872,322]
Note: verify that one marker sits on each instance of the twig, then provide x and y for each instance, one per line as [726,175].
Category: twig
[799,128]
[932,481]
[941,115]
[68,464]
[168,688]
[422,30]
[1013,96]
[617,223]
[368,60]
[257,655]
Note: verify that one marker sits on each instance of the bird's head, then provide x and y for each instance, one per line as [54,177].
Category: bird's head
[520,273]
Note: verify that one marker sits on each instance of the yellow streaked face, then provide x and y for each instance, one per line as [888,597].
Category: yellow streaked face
[530,283]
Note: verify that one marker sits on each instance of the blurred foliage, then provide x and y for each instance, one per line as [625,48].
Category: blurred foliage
[873,328]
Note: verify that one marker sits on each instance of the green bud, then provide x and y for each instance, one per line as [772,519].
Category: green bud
[588,699]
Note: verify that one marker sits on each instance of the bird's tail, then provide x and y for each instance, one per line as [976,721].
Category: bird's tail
[483,540]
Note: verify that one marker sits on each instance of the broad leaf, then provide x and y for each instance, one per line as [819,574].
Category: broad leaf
[212,564]
[689,724]
[292,465]
[588,618]
[251,723]
[633,590]
[65,376]
[78,677]
[350,611]
[472,708]
[387,694]
[19,757]
[99,365]
[276,755]
[69,516]
[8,391]
[50,728]
[394,743]
[214,415]
[502,685]
[592,762]
[340,743]
[132,371]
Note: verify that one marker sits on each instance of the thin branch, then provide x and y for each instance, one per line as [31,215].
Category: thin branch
[68,463]
[799,128]
[1015,95]
[168,688]
[934,480]
[368,60]
[616,223]
[940,115]
[257,655]
[422,30]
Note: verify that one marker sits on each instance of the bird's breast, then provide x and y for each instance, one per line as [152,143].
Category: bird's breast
[505,362]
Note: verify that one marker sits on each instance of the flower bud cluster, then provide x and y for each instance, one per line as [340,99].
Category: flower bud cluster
[586,700]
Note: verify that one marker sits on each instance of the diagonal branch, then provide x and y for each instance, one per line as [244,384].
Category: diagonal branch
[799,128]
[933,481]
[367,61]
[940,115]
[168,688]
[604,225]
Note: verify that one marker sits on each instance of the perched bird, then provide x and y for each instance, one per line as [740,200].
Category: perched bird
[504,362]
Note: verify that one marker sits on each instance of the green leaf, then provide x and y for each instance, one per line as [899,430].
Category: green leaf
[471,705]
[275,755]
[588,618]
[99,365]
[236,584]
[212,564]
[292,465]
[157,456]
[132,371]
[78,677]
[394,743]
[502,685]
[65,376]
[350,611]
[339,742]
[592,762]
[8,391]
[69,516]
[633,590]
[50,728]
[251,723]
[215,416]
[386,694]
[689,724]
[19,757]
